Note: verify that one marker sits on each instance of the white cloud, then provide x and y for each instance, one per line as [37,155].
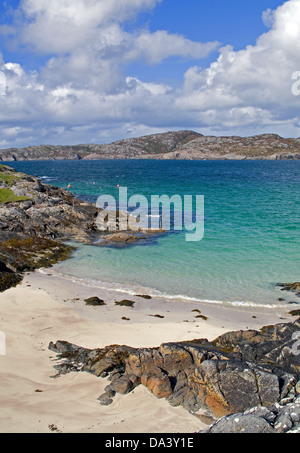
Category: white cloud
[60,26]
[155,47]
[83,94]
[268,17]
[256,79]
[89,45]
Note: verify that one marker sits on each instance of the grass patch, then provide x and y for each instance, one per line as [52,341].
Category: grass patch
[9,179]
[7,196]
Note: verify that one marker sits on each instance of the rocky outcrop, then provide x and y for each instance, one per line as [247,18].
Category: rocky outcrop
[47,211]
[36,219]
[187,145]
[279,418]
[234,373]
[293,287]
[8,277]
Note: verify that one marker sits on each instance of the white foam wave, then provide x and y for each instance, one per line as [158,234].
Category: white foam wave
[134,289]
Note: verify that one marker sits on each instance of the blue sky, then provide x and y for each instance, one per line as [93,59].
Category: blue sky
[87,71]
[234,22]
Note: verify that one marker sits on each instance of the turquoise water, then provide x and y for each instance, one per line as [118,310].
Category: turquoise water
[251,241]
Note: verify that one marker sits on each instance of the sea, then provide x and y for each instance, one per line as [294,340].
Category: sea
[251,238]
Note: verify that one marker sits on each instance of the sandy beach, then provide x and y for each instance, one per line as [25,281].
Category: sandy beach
[48,308]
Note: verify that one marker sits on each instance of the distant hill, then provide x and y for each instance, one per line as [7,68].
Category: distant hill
[181,145]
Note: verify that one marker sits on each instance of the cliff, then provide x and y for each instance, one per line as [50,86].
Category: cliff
[182,145]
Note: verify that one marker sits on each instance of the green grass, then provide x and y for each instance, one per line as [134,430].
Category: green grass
[7,196]
[7,178]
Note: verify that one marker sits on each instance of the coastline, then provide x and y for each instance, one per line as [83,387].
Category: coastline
[47,308]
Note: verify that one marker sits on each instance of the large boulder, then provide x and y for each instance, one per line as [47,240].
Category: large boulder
[233,373]
[260,420]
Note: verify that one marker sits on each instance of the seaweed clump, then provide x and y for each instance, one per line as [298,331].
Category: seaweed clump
[26,255]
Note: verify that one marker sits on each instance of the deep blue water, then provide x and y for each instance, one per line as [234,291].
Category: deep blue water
[252,219]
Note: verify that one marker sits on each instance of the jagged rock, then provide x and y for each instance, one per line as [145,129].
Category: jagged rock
[159,384]
[230,386]
[259,420]
[175,358]
[235,372]
[119,238]
[243,423]
[125,383]
[293,287]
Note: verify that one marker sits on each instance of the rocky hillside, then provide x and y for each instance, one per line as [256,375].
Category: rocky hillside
[123,149]
[253,371]
[169,145]
[267,146]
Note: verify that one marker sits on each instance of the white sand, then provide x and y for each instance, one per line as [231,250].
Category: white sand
[48,308]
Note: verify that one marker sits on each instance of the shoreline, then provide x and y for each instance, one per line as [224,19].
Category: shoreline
[221,317]
[45,308]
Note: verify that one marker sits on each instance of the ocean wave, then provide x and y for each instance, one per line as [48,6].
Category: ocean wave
[135,289]
[48,178]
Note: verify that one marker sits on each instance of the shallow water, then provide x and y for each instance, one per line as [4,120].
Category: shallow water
[251,240]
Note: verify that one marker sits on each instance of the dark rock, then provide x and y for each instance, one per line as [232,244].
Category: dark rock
[27,204]
[242,423]
[159,384]
[293,287]
[39,187]
[120,238]
[235,372]
[9,280]
[107,398]
[295,312]
[94,301]
[125,303]
[125,384]
[231,386]
[258,420]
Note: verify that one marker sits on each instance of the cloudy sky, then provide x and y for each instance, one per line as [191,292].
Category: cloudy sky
[94,71]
